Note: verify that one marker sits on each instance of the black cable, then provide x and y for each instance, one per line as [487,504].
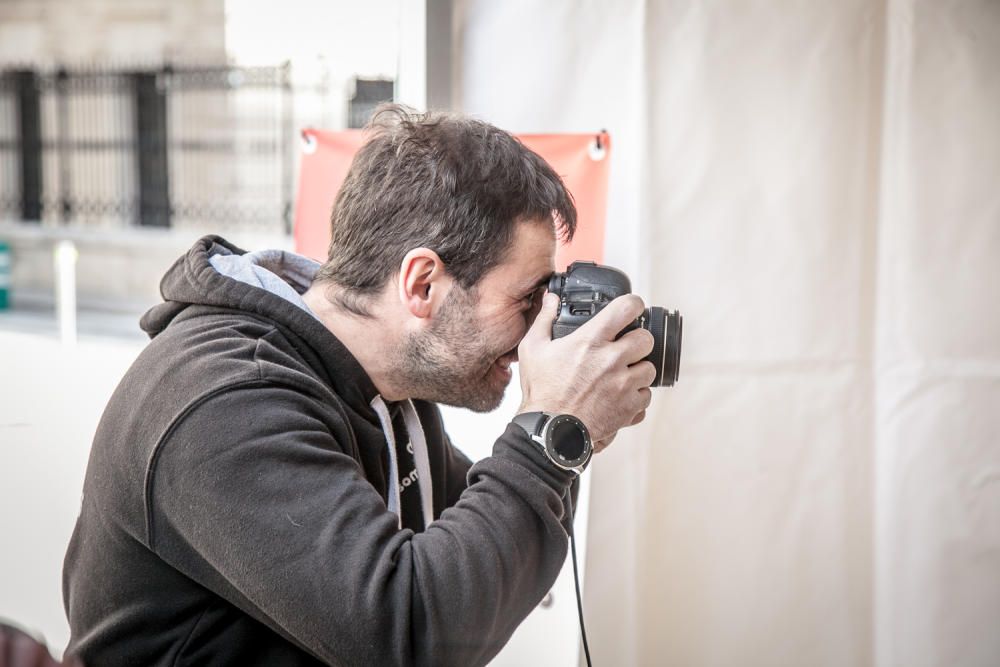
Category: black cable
[576,576]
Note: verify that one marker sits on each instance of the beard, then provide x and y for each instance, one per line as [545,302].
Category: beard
[452,362]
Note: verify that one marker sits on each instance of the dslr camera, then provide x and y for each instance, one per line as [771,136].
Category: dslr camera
[586,288]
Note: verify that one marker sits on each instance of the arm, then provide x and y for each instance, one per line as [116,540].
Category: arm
[267,511]
[457,466]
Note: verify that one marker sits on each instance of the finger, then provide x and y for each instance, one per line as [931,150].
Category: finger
[645,398]
[602,444]
[608,323]
[641,374]
[541,328]
[635,346]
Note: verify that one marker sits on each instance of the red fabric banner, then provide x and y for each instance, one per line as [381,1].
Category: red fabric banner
[581,160]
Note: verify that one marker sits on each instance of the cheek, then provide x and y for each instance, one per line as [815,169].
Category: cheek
[507,330]
[520,323]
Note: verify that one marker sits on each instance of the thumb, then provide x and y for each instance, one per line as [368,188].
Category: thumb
[541,328]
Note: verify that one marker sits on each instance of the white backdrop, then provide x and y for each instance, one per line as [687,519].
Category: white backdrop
[816,186]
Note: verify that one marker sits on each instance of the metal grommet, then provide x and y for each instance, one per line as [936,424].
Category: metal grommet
[309,143]
[597,148]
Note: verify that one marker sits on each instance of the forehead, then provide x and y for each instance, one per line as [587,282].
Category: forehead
[529,261]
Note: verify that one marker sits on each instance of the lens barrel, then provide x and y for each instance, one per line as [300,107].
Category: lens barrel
[666,328]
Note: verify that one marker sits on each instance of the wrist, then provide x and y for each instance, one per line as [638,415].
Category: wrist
[563,438]
[516,447]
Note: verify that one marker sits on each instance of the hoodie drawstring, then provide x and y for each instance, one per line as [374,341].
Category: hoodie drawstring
[420,456]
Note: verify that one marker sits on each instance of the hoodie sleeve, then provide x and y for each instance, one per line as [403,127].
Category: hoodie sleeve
[456,475]
[264,508]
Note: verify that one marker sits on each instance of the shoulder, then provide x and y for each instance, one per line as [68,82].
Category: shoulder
[210,348]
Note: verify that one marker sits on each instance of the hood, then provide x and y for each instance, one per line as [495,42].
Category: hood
[279,272]
[192,280]
[217,274]
[202,277]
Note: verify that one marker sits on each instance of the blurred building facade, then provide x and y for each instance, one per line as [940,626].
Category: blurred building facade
[130,127]
[58,32]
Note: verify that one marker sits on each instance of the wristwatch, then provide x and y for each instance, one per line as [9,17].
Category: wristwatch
[564,438]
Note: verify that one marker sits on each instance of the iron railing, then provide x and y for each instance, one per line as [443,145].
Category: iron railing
[167,147]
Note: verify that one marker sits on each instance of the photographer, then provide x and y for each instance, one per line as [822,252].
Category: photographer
[271,482]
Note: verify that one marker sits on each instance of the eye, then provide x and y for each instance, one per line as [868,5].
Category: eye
[532,298]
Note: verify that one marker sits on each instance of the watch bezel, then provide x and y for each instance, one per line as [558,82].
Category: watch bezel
[545,437]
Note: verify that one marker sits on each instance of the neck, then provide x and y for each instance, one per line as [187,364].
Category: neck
[370,339]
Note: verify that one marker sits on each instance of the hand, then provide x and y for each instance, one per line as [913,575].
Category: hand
[603,444]
[601,381]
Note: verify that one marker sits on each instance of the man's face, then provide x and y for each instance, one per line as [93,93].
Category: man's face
[464,358]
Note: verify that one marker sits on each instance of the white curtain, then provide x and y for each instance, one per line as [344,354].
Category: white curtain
[816,186]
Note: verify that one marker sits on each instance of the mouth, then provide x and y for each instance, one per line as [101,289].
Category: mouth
[502,364]
[508,358]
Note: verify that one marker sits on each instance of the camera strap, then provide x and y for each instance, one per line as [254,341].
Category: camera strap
[576,575]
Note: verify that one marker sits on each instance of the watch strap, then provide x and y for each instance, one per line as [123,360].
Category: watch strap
[532,422]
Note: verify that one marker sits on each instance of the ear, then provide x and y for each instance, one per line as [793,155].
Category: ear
[423,282]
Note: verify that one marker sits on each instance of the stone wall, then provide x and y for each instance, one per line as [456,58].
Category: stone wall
[49,32]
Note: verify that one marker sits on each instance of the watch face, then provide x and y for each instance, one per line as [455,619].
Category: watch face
[567,439]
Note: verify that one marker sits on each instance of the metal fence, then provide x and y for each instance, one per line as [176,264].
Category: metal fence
[208,147]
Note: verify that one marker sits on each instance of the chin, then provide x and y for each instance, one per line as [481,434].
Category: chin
[481,402]
[484,407]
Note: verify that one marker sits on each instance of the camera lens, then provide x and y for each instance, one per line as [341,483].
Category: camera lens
[666,355]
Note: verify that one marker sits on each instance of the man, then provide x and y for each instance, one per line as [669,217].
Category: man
[271,483]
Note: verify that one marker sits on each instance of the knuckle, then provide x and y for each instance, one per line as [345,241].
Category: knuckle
[639,344]
[646,396]
[635,304]
[645,373]
[594,342]
[648,340]
[649,373]
[627,307]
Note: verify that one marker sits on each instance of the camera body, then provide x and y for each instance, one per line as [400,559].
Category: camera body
[587,287]
[584,290]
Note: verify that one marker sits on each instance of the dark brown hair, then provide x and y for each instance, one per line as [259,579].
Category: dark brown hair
[442,181]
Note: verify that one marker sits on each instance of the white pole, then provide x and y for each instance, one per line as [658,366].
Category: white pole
[65,265]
